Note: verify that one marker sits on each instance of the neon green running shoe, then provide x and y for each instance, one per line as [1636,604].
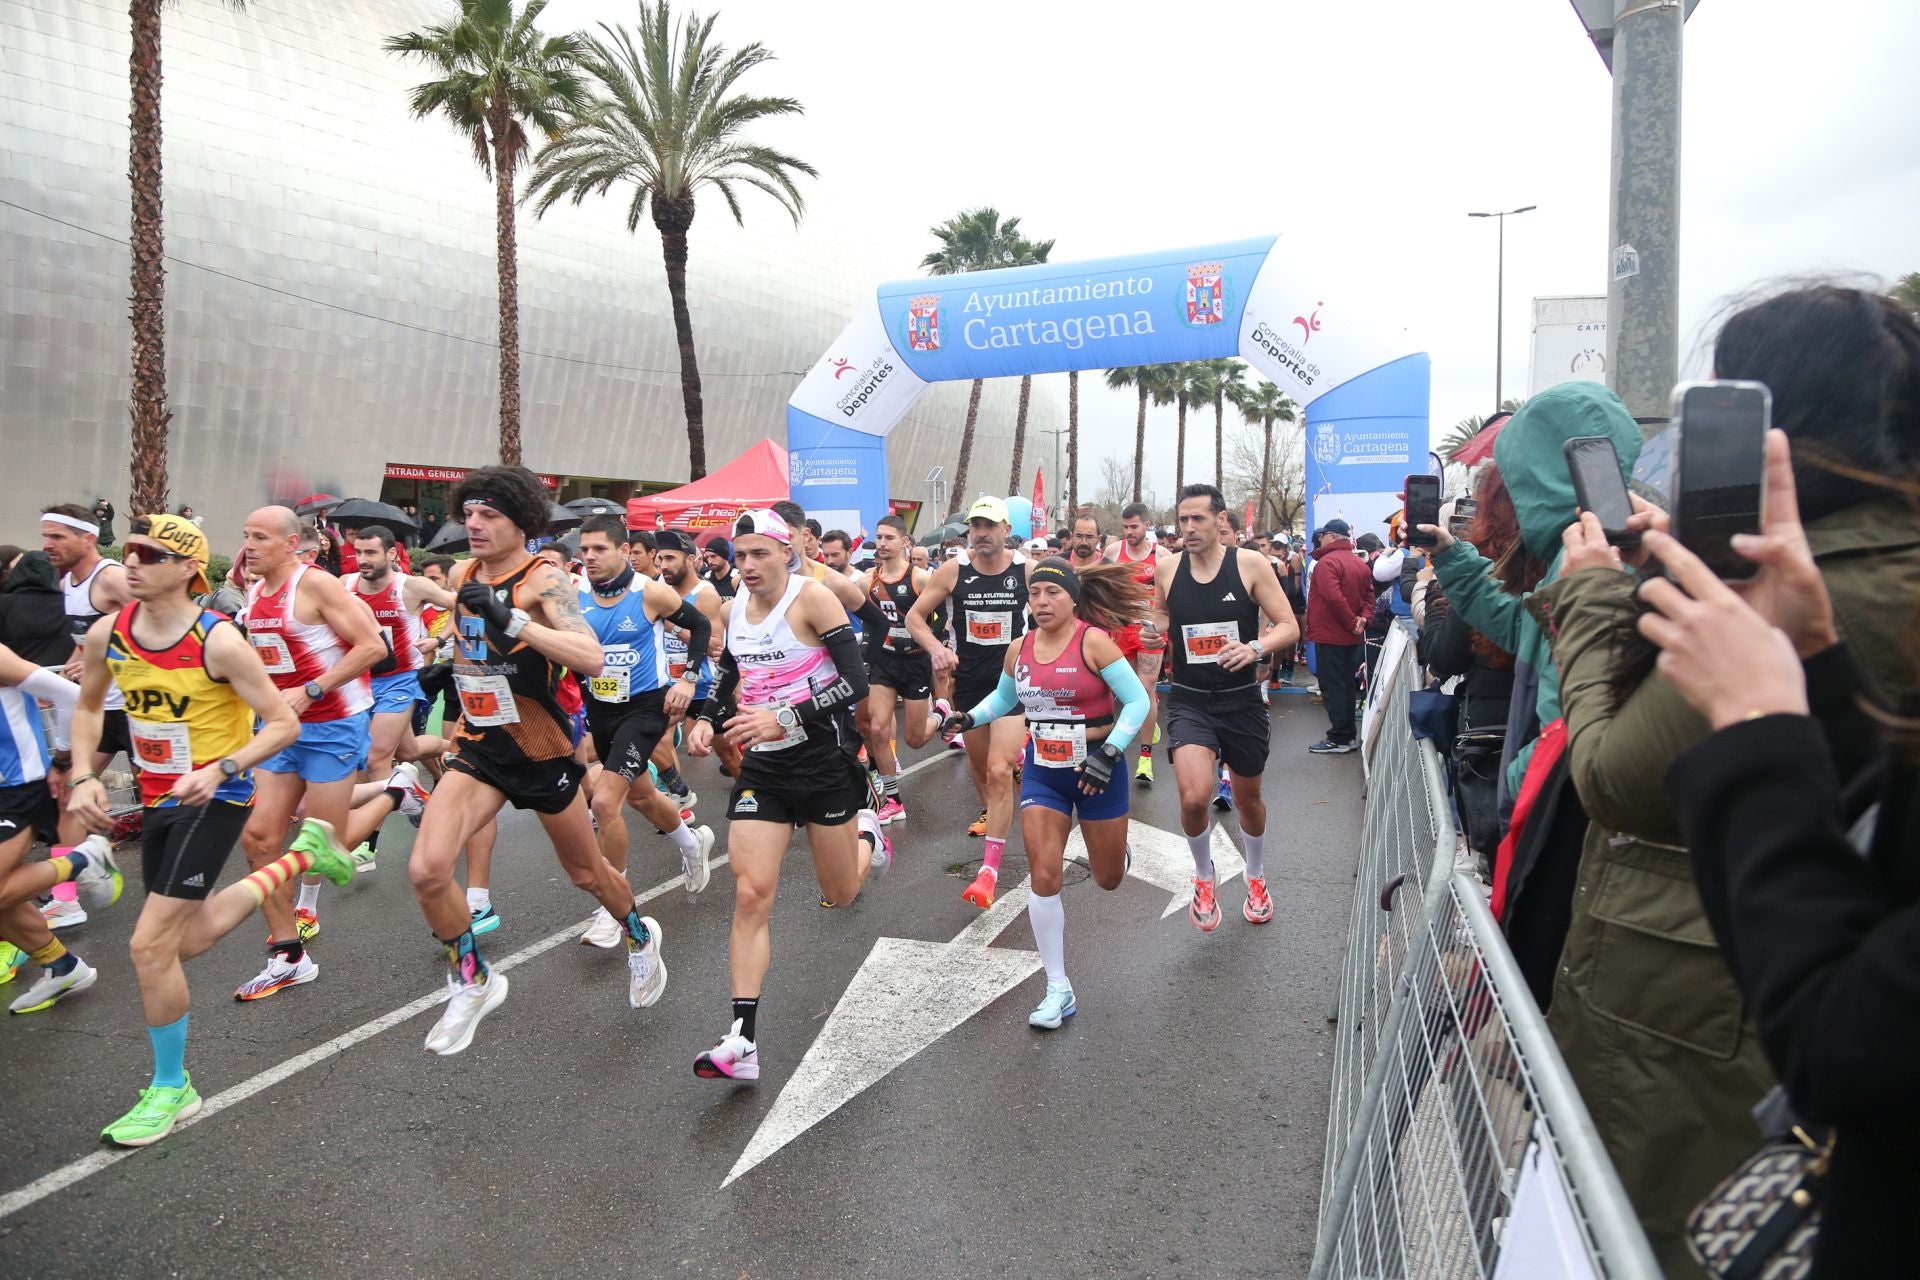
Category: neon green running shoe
[153,1117]
[329,859]
[11,958]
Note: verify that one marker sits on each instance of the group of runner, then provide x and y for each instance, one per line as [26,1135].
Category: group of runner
[241,727]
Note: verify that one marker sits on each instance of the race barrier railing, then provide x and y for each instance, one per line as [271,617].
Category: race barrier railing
[1457,1144]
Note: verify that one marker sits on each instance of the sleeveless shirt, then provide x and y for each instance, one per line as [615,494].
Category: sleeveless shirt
[181,717]
[297,652]
[1203,618]
[508,709]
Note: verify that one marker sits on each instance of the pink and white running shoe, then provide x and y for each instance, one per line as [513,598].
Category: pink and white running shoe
[734,1058]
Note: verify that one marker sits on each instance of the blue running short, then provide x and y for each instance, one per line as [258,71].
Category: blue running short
[1059,790]
[326,751]
[396,692]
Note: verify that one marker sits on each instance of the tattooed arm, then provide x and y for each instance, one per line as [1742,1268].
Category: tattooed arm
[559,630]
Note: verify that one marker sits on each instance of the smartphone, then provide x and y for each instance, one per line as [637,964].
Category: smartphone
[1465,511]
[1599,487]
[1720,469]
[1423,507]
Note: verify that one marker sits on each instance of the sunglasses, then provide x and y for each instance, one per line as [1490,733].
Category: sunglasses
[135,553]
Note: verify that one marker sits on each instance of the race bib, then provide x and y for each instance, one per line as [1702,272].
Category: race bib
[272,648]
[794,737]
[612,686]
[1206,641]
[161,747]
[486,701]
[1059,746]
[990,628]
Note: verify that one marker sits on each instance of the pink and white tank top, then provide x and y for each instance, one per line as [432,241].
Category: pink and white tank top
[297,652]
[775,668]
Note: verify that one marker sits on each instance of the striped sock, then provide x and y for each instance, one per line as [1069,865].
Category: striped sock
[267,880]
[54,958]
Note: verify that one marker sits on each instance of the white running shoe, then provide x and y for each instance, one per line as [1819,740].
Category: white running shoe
[278,976]
[734,1058]
[364,859]
[99,881]
[880,861]
[602,931]
[63,913]
[646,970]
[694,865]
[413,795]
[51,990]
[470,1002]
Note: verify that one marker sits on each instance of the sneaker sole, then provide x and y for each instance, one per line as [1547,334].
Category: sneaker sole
[706,1070]
[592,939]
[898,817]
[1041,1024]
[93,976]
[482,928]
[57,923]
[496,995]
[278,987]
[1251,918]
[1202,923]
[184,1114]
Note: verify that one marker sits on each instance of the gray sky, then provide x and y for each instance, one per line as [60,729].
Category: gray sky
[1362,132]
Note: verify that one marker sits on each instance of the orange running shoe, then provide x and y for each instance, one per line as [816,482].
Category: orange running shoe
[1204,911]
[979,827]
[1259,907]
[980,892]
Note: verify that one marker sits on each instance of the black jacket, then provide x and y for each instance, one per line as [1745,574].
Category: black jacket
[1446,649]
[1823,941]
[33,612]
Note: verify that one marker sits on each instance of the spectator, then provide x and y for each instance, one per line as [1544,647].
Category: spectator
[1337,612]
[9,556]
[718,558]
[33,610]
[186,513]
[103,512]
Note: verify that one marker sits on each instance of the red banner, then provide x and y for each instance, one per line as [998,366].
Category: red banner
[1041,525]
[444,475]
[1247,521]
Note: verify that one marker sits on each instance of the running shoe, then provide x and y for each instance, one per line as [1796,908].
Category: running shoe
[364,859]
[684,797]
[979,827]
[485,919]
[470,1002]
[734,1058]
[686,816]
[279,974]
[99,882]
[52,989]
[1055,1009]
[307,924]
[980,892]
[1204,911]
[160,1108]
[880,859]
[891,812]
[1328,747]
[330,859]
[413,795]
[1223,796]
[942,708]
[1259,907]
[693,866]
[1143,773]
[602,931]
[63,913]
[955,743]
[11,958]
[646,969]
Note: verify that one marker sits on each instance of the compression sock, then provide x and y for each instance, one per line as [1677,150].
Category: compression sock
[464,954]
[637,933]
[478,899]
[890,783]
[996,846]
[683,837]
[290,950]
[54,958]
[1049,921]
[372,842]
[309,895]
[670,778]
[744,1009]
[1202,847]
[265,882]
[169,1053]
[1255,847]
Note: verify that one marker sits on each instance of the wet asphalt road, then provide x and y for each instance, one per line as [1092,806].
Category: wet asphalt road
[1174,1126]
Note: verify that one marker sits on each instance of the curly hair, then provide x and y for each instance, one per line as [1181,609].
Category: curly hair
[514,492]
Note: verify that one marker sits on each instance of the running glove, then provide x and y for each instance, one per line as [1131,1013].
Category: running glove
[956,722]
[478,599]
[1100,765]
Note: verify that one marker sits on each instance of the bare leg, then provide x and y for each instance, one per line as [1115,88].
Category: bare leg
[609,795]
[754,850]
[461,806]
[275,797]
[573,842]
[480,853]
[838,861]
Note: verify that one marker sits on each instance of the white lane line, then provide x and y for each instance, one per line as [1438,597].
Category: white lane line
[85,1167]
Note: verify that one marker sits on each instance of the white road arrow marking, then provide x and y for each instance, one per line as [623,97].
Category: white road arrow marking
[1162,859]
[906,996]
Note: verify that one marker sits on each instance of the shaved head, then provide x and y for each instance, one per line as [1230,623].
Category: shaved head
[279,519]
[272,537]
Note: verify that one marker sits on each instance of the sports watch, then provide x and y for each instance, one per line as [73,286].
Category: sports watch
[520,619]
[313,691]
[228,769]
[787,719]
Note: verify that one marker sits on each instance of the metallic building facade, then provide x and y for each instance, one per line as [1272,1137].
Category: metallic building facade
[331,283]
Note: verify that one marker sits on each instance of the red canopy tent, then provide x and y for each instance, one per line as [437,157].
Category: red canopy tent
[709,504]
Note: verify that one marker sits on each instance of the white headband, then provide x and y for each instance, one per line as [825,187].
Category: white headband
[70,522]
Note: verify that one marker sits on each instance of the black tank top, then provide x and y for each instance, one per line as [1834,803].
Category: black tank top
[1205,617]
[989,614]
[895,599]
[509,712]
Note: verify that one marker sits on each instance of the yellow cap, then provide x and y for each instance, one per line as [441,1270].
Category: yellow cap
[989,509]
[180,536]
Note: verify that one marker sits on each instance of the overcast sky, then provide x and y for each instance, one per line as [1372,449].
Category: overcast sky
[1362,132]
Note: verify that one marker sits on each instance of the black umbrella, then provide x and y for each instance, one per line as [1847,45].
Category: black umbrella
[564,518]
[356,513]
[451,538]
[596,507]
[956,529]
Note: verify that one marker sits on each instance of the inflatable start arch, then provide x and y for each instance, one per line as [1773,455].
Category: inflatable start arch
[1365,402]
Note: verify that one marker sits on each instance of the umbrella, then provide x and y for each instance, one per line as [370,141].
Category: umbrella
[956,528]
[314,502]
[355,513]
[563,518]
[569,544]
[1480,448]
[596,507]
[451,538]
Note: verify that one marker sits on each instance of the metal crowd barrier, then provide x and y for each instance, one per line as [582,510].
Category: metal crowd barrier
[1457,1145]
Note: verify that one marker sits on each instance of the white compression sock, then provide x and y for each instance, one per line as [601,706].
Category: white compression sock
[683,838]
[478,899]
[1049,921]
[309,896]
[1255,847]
[1202,846]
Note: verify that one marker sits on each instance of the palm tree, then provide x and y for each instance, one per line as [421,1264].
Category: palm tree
[147,410]
[977,240]
[1142,378]
[1212,380]
[668,123]
[1266,404]
[498,70]
[1073,445]
[1906,291]
[1028,255]
[1469,427]
[1175,384]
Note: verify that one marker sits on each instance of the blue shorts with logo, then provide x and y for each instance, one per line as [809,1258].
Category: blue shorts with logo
[1059,790]
[326,751]
[396,692]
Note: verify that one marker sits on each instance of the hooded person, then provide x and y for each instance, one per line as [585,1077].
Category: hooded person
[33,612]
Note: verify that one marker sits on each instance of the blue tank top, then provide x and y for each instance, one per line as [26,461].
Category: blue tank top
[23,741]
[636,659]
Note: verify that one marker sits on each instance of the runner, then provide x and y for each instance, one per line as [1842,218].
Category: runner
[836,552]
[898,670]
[1083,549]
[989,591]
[1143,644]
[1210,600]
[674,555]
[793,661]
[519,625]
[318,642]
[94,586]
[629,703]
[193,689]
[1065,677]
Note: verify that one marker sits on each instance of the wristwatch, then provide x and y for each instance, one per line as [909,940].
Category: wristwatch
[228,769]
[313,691]
[520,619]
[787,719]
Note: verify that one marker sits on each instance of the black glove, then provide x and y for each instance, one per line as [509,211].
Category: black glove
[478,599]
[957,722]
[1100,765]
[435,679]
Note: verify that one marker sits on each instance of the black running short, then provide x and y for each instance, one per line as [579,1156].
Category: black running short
[115,736]
[544,786]
[764,795]
[30,808]
[971,688]
[182,849]
[625,733]
[1233,726]
[910,675]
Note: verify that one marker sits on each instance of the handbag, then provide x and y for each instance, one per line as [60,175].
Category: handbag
[1435,716]
[1761,1222]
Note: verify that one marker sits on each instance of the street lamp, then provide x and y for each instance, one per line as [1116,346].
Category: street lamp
[1500,295]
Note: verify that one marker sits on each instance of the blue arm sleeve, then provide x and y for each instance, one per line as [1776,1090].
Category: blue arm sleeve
[1126,686]
[1002,700]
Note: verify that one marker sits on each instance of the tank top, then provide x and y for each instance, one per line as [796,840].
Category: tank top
[180,716]
[776,669]
[895,600]
[1143,568]
[402,630]
[23,739]
[989,613]
[1205,617]
[636,658]
[297,653]
[508,709]
[1062,699]
[674,639]
[81,615]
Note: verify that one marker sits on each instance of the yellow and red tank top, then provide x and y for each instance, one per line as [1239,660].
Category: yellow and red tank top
[181,717]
